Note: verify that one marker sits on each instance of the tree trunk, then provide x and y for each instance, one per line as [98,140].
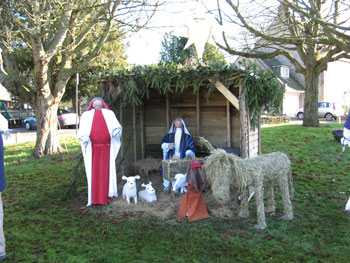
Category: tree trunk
[46,120]
[311,98]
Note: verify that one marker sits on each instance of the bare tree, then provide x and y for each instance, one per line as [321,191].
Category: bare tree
[309,33]
[40,41]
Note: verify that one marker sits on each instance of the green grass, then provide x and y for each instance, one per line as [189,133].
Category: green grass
[40,226]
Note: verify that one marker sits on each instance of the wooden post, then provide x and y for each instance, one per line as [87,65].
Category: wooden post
[143,133]
[122,141]
[248,132]
[198,114]
[134,131]
[243,125]
[167,112]
[259,134]
[228,122]
[76,102]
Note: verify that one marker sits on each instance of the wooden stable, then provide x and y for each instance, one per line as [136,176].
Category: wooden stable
[221,118]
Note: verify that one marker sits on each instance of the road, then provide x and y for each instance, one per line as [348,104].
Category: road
[296,121]
[19,135]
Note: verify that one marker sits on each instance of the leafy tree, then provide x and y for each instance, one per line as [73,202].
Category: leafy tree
[43,43]
[173,51]
[305,32]
[111,58]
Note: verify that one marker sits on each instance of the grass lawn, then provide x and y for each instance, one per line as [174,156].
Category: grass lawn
[40,226]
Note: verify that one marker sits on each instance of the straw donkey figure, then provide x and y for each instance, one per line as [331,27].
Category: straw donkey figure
[224,170]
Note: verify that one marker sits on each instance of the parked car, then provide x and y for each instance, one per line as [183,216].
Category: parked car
[65,119]
[30,123]
[328,110]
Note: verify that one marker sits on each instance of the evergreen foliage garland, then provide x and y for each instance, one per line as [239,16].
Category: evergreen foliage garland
[261,90]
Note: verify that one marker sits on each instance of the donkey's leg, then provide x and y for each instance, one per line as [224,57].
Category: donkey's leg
[244,208]
[270,204]
[259,197]
[287,205]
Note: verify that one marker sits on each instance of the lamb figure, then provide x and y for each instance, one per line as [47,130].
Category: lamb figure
[180,183]
[148,194]
[129,189]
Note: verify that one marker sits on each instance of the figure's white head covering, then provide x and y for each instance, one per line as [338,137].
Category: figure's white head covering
[172,128]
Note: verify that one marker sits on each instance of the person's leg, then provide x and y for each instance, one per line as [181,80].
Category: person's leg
[345,141]
[346,133]
[2,237]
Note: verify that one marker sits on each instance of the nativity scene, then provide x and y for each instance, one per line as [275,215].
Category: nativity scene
[209,117]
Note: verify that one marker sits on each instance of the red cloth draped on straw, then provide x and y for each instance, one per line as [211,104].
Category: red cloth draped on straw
[192,203]
[100,140]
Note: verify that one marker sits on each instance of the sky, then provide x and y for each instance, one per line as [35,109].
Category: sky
[146,44]
[177,15]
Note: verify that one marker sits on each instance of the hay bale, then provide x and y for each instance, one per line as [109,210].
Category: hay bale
[147,165]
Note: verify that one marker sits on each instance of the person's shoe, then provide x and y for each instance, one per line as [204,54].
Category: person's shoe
[2,257]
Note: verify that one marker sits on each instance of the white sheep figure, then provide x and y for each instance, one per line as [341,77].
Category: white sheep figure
[129,189]
[148,194]
[180,183]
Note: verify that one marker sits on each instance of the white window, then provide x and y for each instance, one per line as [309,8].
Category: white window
[284,72]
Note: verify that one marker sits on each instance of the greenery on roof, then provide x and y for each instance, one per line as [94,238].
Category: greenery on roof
[261,90]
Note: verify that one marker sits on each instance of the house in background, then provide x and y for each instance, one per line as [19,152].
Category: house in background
[334,83]
[293,83]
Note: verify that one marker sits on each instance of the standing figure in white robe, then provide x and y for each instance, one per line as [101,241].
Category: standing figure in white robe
[99,134]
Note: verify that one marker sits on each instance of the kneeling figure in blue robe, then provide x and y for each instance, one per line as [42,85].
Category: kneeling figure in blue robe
[178,142]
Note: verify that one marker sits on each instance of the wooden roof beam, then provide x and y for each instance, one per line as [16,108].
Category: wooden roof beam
[228,94]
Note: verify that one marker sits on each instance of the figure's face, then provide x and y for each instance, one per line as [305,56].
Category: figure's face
[97,104]
[178,123]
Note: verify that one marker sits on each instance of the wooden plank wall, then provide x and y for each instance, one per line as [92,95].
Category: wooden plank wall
[131,139]
[213,122]
[212,113]
[120,168]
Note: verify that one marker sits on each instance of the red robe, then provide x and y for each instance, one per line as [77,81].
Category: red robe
[100,140]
